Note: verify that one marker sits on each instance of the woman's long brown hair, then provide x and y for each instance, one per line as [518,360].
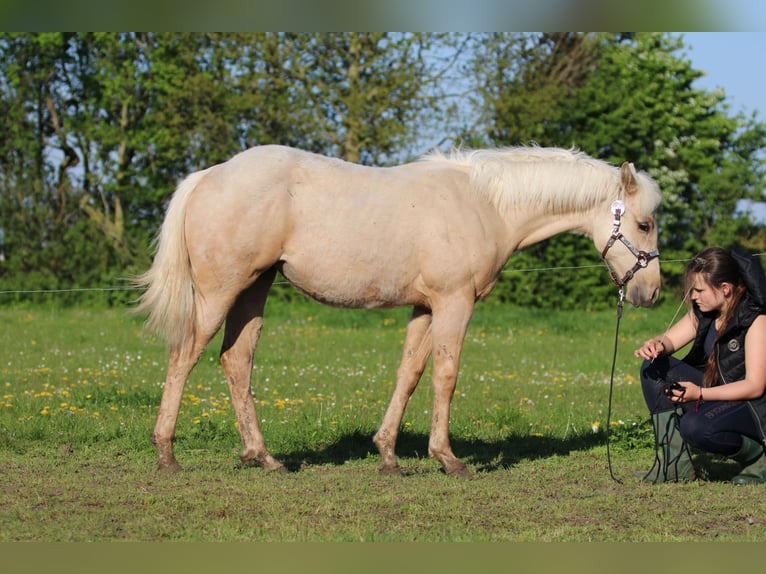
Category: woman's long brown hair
[716,266]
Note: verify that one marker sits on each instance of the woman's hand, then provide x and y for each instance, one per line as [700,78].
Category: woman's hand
[675,338]
[684,392]
[650,350]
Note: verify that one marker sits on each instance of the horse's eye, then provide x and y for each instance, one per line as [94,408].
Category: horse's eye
[644,226]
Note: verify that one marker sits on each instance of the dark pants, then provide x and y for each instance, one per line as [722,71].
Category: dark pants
[717,426]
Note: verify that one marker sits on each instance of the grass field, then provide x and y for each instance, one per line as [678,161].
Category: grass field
[80,390]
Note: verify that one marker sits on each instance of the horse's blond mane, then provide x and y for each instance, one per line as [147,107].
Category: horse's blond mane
[513,177]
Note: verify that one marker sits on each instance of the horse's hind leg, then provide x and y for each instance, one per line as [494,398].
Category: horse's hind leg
[243,329]
[180,364]
[417,348]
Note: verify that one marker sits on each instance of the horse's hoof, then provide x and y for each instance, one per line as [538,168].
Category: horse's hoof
[267,463]
[460,472]
[389,470]
[169,467]
[278,468]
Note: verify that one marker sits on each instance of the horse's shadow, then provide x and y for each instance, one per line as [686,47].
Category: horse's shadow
[484,456]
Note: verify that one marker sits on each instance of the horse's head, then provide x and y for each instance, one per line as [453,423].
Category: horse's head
[629,246]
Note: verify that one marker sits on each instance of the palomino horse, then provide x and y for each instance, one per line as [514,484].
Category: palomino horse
[433,234]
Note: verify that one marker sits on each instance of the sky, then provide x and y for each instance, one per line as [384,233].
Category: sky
[732,61]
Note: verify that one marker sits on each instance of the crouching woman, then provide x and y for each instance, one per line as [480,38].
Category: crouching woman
[714,397]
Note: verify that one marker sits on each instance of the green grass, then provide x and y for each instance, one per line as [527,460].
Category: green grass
[80,389]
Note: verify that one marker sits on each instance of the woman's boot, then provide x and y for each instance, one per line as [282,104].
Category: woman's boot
[673,462]
[753,461]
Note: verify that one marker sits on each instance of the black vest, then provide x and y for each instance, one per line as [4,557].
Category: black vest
[730,345]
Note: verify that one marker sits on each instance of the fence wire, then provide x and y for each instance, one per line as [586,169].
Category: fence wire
[108,289]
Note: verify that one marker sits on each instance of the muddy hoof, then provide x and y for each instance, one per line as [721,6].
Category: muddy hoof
[278,468]
[268,464]
[170,467]
[390,470]
[460,472]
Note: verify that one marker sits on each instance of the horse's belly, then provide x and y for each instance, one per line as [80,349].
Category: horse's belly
[345,287]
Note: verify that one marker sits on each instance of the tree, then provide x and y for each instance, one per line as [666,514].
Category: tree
[631,97]
[522,81]
[36,206]
[705,161]
[364,93]
[105,125]
[102,126]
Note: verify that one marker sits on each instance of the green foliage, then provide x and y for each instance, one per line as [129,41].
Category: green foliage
[679,134]
[100,127]
[624,98]
[564,272]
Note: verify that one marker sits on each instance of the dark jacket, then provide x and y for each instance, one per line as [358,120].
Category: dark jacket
[730,345]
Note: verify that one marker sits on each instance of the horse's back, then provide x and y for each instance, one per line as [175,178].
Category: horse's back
[329,190]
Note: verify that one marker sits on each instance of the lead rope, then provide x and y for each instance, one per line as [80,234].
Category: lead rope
[618,209]
[620,305]
[642,260]
[662,464]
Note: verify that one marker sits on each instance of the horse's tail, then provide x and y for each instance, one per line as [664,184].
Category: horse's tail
[168,300]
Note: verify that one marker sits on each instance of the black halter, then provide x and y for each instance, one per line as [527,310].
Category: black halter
[642,257]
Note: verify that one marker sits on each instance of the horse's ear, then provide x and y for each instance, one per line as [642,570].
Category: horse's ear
[628,178]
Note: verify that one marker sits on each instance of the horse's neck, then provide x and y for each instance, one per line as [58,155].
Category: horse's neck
[532,218]
[540,226]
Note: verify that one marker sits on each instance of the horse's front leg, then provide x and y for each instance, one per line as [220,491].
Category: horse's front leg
[417,348]
[448,332]
[243,329]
